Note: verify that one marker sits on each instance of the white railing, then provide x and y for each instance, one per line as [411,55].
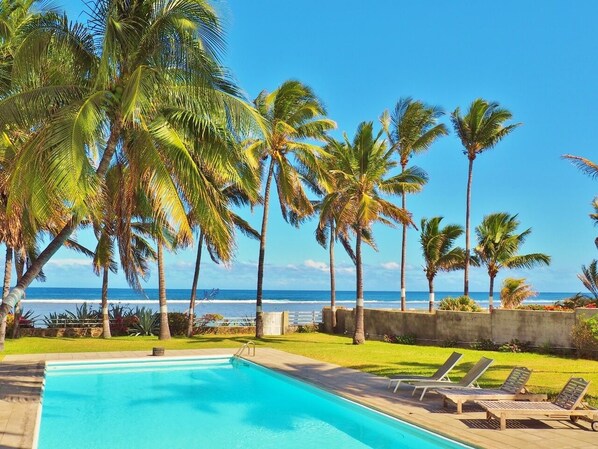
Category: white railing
[298,318]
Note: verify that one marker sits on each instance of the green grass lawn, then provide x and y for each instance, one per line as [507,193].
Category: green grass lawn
[383,359]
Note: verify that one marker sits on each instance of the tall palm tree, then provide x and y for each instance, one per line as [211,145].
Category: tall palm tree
[411,129]
[479,130]
[141,81]
[439,251]
[361,176]
[293,115]
[498,245]
[237,197]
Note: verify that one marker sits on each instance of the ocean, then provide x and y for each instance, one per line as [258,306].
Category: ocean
[241,303]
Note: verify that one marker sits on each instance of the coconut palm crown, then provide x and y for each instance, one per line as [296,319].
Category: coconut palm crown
[140,82]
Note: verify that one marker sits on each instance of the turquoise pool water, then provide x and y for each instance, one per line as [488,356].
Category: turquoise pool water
[207,403]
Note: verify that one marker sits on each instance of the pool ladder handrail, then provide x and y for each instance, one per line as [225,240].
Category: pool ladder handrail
[250,346]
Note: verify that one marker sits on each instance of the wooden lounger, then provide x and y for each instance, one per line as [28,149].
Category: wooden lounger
[512,389]
[565,406]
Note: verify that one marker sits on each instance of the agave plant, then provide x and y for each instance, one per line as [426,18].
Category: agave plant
[146,322]
[84,315]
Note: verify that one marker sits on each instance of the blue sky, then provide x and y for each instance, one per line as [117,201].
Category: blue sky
[539,61]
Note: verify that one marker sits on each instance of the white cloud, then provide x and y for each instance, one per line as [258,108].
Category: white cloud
[390,266]
[66,263]
[321,266]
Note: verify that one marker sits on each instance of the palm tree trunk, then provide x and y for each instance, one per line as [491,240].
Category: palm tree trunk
[259,314]
[491,294]
[332,276]
[194,286]
[7,274]
[20,261]
[403,256]
[164,327]
[431,290]
[359,335]
[17,293]
[105,316]
[467,226]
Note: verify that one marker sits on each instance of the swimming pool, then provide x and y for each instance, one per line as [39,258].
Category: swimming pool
[207,402]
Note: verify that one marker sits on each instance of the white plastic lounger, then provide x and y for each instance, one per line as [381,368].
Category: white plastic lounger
[440,375]
[513,389]
[469,380]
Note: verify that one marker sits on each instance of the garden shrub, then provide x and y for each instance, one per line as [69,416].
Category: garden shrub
[408,339]
[514,346]
[461,304]
[178,323]
[484,344]
[307,328]
[202,323]
[585,337]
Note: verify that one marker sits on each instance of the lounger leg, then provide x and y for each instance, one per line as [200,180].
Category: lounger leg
[459,406]
[414,390]
[423,392]
[503,421]
[397,387]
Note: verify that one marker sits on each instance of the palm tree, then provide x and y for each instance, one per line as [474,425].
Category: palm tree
[498,244]
[411,129]
[235,196]
[141,82]
[591,169]
[479,130]
[123,225]
[361,176]
[293,114]
[514,292]
[439,251]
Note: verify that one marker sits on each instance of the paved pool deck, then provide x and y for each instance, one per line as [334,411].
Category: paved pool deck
[21,380]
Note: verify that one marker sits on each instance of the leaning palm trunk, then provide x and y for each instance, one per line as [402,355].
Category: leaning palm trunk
[467,226]
[18,292]
[7,273]
[20,261]
[194,286]
[403,256]
[164,327]
[259,314]
[332,277]
[105,315]
[359,335]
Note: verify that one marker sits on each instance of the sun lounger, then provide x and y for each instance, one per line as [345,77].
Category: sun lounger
[512,389]
[469,380]
[566,405]
[440,375]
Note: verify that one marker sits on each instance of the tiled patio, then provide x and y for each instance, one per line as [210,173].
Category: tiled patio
[21,379]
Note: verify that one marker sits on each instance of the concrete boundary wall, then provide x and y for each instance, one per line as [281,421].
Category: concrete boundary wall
[538,327]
